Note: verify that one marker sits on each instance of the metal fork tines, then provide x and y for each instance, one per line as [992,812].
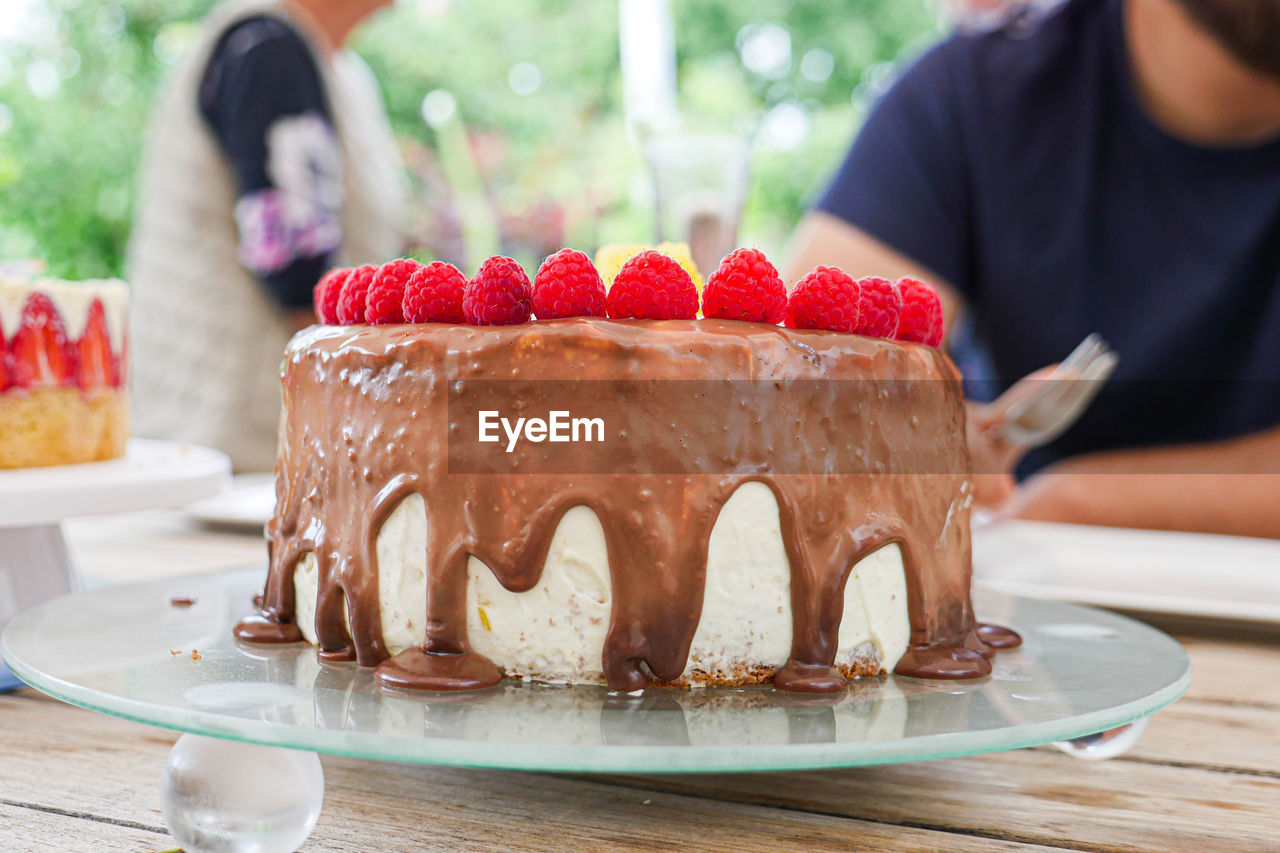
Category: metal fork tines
[1039,408]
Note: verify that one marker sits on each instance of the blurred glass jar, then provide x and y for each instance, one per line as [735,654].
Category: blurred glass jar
[700,183]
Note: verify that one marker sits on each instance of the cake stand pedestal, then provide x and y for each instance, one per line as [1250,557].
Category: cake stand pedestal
[34,561]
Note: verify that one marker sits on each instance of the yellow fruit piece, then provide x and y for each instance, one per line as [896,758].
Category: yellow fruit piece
[610,258]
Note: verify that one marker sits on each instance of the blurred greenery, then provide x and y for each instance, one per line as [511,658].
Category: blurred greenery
[550,167]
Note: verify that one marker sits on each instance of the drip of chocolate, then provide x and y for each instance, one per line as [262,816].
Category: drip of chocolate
[999,637]
[373,414]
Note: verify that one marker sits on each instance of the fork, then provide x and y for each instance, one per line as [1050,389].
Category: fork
[1040,407]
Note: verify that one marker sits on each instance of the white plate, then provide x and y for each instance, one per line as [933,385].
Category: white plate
[152,474]
[1152,571]
[248,504]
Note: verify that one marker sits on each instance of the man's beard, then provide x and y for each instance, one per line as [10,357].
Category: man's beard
[1248,29]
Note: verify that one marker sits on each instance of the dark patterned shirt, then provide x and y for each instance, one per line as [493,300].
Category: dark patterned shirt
[263,97]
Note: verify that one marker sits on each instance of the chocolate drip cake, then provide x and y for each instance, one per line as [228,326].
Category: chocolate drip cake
[757,503]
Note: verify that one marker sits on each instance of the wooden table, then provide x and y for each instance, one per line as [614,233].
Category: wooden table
[1205,777]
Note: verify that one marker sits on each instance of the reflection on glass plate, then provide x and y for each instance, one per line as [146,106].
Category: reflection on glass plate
[132,652]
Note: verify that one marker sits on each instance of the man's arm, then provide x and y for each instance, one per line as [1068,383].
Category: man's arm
[1230,487]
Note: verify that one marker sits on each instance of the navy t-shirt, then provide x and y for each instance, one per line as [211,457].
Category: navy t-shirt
[1021,166]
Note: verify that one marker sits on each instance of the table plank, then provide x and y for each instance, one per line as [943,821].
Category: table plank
[160,543]
[109,769]
[36,829]
[1032,796]
[1235,673]
[1193,732]
[460,809]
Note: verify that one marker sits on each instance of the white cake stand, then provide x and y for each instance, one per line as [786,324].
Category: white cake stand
[34,564]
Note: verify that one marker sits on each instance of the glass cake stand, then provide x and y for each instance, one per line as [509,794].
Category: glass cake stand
[162,653]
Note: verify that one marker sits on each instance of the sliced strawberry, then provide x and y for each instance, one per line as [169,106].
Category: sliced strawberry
[95,368]
[122,364]
[4,363]
[39,354]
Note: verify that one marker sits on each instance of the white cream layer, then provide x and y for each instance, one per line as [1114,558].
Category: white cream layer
[72,299]
[555,632]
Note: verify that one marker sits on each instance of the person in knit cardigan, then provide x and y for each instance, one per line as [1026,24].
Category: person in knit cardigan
[270,159]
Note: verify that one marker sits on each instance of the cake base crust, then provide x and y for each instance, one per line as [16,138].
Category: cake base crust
[62,426]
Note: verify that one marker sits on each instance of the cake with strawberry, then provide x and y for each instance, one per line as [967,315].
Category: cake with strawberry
[566,481]
[62,372]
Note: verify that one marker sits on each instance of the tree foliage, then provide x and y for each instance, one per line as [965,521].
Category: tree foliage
[555,165]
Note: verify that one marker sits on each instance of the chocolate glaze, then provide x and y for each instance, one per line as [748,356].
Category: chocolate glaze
[367,422]
[999,637]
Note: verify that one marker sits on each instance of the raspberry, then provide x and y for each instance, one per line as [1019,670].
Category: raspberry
[745,287]
[568,285]
[433,294]
[826,298]
[921,313]
[681,254]
[386,292]
[652,286]
[499,295]
[879,307]
[326,293]
[352,298]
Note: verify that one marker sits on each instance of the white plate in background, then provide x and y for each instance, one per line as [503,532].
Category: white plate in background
[1152,571]
[151,474]
[247,505]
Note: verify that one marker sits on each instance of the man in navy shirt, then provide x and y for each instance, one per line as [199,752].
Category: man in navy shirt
[1111,167]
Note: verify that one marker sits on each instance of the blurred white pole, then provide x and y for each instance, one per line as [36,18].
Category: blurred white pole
[647,43]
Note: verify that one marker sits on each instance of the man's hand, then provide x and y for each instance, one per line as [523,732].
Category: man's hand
[1230,487]
[993,458]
